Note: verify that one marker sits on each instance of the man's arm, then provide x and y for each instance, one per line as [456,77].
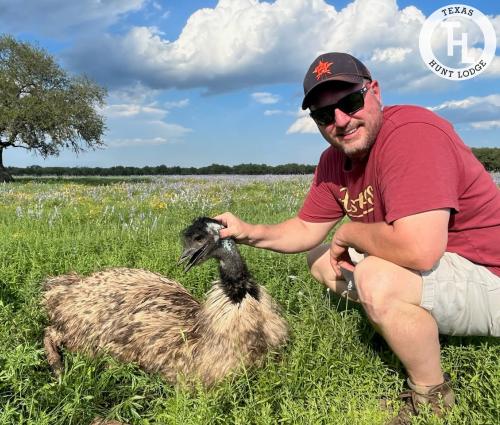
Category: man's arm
[416,241]
[290,236]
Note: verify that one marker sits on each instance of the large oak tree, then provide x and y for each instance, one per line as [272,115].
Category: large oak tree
[42,107]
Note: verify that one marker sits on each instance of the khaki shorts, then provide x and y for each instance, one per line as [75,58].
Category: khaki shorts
[463,297]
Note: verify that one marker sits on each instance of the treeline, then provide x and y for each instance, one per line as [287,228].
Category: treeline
[489,157]
[252,169]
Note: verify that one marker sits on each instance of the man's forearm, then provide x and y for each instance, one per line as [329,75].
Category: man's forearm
[276,237]
[370,238]
[290,236]
[384,241]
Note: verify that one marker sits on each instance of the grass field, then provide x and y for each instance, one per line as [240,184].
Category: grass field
[333,371]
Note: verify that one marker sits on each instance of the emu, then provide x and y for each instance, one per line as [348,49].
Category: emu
[139,316]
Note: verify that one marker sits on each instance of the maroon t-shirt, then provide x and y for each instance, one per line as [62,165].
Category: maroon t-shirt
[418,163]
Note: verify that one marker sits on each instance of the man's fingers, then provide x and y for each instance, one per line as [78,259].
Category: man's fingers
[335,266]
[222,218]
[346,265]
[233,226]
[224,233]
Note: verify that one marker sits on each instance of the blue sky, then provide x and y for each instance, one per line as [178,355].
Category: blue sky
[193,82]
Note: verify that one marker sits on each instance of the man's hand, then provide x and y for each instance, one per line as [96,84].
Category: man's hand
[235,227]
[339,257]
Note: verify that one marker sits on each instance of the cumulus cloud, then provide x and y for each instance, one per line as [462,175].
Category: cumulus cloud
[243,43]
[480,112]
[303,124]
[265,98]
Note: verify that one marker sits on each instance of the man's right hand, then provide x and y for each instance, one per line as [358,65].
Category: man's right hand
[235,227]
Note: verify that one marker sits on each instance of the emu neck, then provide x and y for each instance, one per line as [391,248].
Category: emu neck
[235,278]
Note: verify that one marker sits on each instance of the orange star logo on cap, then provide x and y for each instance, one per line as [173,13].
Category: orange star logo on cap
[322,68]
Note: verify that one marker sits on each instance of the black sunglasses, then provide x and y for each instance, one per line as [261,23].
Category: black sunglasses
[349,104]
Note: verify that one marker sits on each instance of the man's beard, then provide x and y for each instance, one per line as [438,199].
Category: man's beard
[360,148]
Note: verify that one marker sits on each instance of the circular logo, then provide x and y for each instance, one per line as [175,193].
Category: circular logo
[450,18]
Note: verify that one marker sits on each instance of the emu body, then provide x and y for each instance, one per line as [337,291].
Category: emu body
[142,317]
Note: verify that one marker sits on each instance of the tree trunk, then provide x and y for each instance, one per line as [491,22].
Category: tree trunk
[4,175]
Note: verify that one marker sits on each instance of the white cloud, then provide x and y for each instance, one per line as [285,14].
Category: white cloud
[177,104]
[495,20]
[146,111]
[270,112]
[142,123]
[243,43]
[119,143]
[133,131]
[239,43]
[391,54]
[492,99]
[265,98]
[493,69]
[480,112]
[303,124]
[486,125]
[130,110]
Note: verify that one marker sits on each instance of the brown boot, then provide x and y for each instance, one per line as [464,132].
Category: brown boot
[439,398]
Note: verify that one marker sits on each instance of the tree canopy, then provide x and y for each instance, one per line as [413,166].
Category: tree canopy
[42,107]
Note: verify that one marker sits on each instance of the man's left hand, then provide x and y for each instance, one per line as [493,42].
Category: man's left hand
[339,257]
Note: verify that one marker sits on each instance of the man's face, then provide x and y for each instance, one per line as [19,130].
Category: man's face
[353,134]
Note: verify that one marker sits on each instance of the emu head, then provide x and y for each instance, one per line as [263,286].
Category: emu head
[201,241]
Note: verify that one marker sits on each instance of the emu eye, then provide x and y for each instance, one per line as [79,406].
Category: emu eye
[199,238]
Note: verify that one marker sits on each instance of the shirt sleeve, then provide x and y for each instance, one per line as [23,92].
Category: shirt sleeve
[419,170]
[321,204]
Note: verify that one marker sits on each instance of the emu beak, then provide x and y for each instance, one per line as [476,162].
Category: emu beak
[192,256]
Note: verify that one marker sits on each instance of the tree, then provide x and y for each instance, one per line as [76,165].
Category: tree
[42,107]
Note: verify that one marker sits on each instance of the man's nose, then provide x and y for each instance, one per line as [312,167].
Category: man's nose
[341,118]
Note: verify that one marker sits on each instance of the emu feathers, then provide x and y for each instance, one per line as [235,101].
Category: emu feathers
[139,316]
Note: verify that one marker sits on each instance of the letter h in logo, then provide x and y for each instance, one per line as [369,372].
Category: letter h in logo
[450,25]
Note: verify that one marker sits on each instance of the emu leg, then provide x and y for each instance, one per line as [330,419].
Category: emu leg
[52,340]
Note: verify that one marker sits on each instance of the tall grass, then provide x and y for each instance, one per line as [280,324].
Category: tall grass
[334,370]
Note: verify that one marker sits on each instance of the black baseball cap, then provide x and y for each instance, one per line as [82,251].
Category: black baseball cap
[333,66]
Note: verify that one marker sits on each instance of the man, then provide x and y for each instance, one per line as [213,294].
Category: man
[424,214]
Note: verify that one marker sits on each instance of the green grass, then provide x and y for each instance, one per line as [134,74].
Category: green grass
[333,371]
